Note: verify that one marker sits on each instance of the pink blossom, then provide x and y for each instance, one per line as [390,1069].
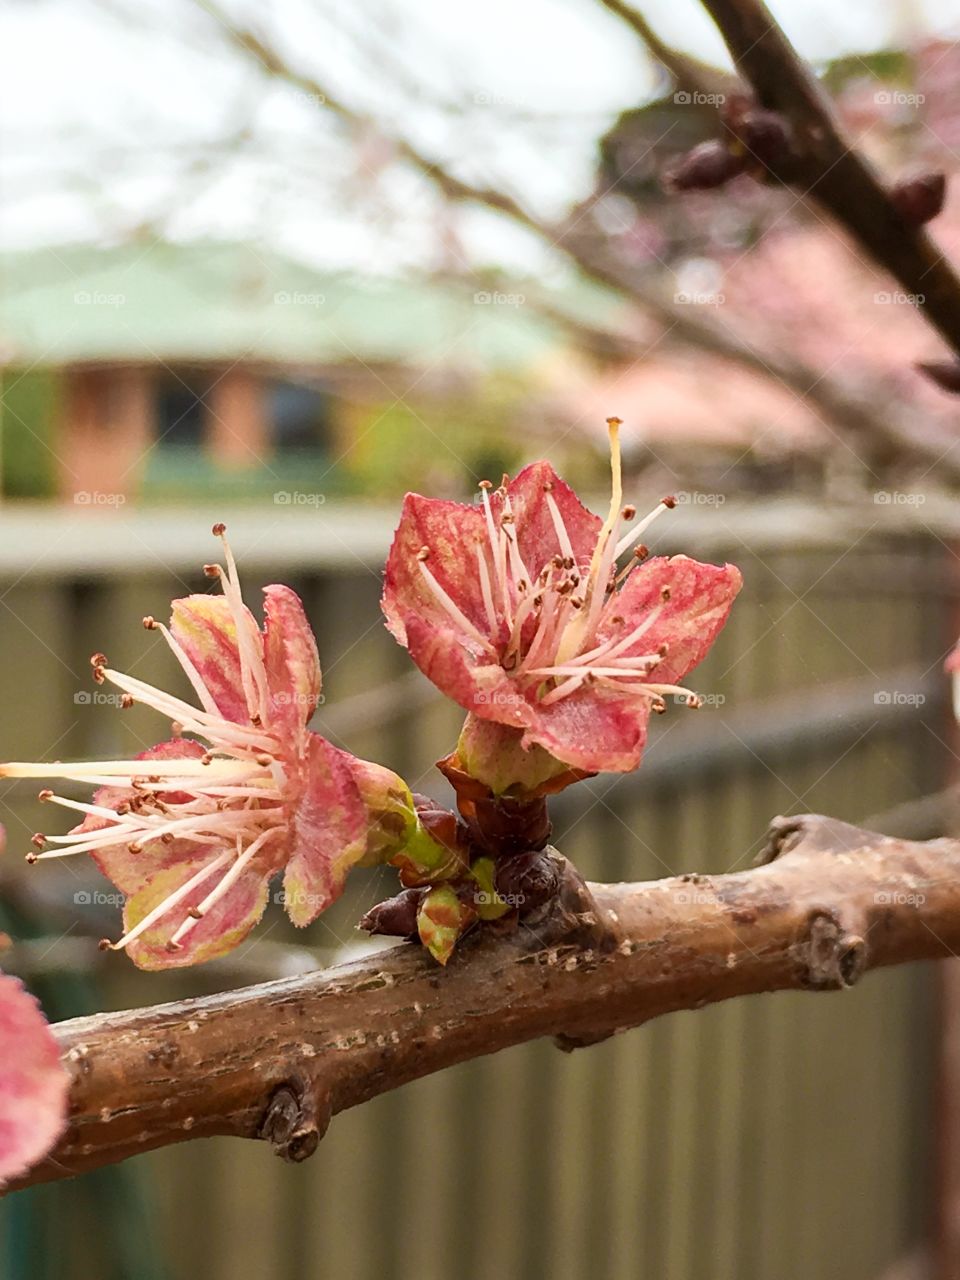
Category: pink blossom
[193,830]
[33,1082]
[524,610]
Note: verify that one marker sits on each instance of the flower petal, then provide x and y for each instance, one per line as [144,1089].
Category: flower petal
[204,627]
[330,833]
[451,530]
[33,1082]
[224,926]
[454,667]
[700,600]
[129,871]
[593,729]
[291,659]
[536,534]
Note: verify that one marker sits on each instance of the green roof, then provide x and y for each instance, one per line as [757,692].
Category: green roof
[214,301]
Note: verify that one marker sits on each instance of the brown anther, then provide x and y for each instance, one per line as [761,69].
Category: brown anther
[126,701]
[31,858]
[104,945]
[577,602]
[98,659]
[423,553]
[263,760]
[506,518]
[485,484]
[207,757]
[548,486]
[167,838]
[98,675]
[150,623]
[669,501]
[557,562]
[523,585]
[614,422]
[642,551]
[694,702]
[134,848]
[660,707]
[628,512]
[256,721]
[664,594]
[45,794]
[663,650]
[211,570]
[538,602]
[173,946]
[176,728]
[195,913]
[123,807]
[38,840]
[219,529]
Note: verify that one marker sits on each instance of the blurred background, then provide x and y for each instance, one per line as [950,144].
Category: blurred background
[276,264]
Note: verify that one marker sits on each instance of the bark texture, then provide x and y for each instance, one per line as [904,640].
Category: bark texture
[276,1061]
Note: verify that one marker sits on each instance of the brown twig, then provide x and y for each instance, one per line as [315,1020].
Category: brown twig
[277,1061]
[824,163]
[876,433]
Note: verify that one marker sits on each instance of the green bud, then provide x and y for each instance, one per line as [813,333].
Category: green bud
[441,920]
[489,904]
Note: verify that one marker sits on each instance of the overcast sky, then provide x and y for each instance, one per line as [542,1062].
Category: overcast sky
[114,112]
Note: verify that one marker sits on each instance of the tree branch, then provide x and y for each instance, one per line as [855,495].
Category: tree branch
[875,431]
[277,1061]
[826,165]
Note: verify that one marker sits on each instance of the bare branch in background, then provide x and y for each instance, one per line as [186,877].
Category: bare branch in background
[876,432]
[824,164]
[277,1061]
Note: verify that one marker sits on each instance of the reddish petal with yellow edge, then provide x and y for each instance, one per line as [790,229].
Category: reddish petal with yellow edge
[204,627]
[329,833]
[33,1082]
[223,926]
[291,659]
[700,597]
